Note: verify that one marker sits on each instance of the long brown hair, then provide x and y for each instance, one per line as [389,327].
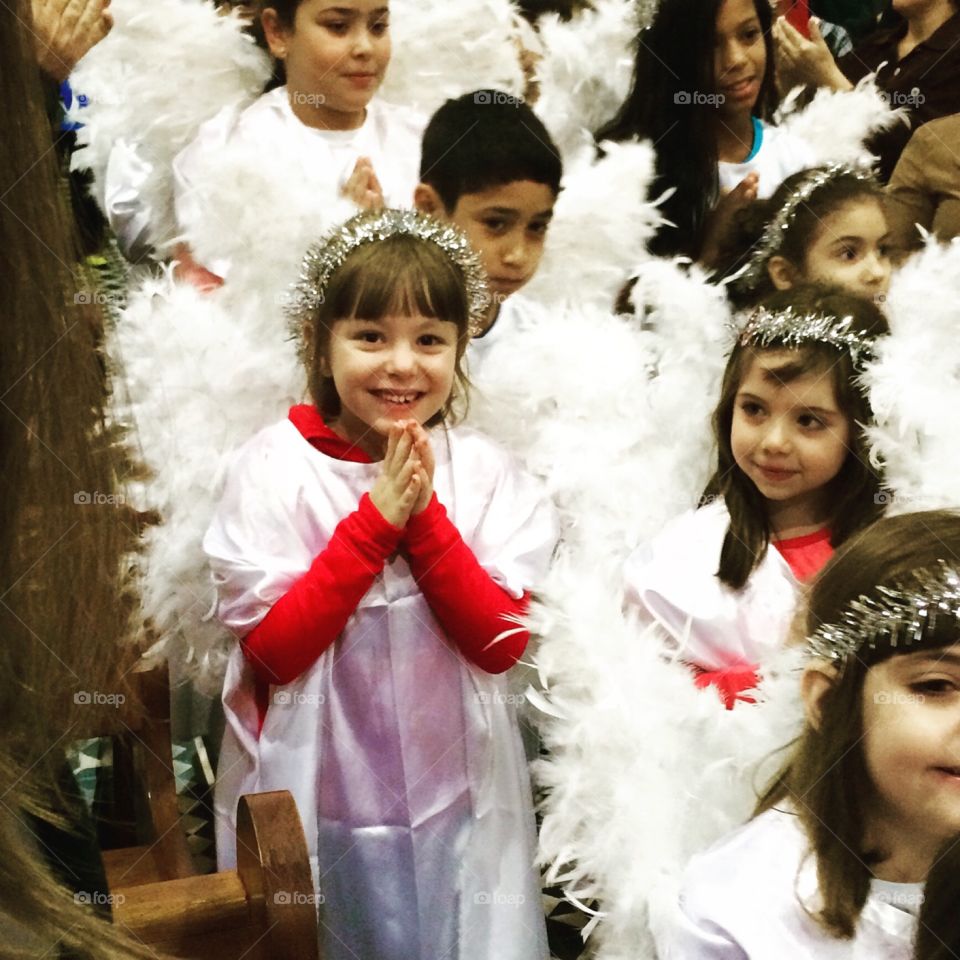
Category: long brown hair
[63,532]
[855,491]
[401,273]
[826,778]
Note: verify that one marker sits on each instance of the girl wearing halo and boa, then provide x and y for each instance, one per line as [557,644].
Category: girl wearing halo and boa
[833,863]
[374,562]
[792,481]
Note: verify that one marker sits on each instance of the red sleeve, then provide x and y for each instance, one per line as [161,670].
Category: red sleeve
[312,614]
[474,611]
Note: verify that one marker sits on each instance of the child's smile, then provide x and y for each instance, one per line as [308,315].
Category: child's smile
[791,438]
[393,368]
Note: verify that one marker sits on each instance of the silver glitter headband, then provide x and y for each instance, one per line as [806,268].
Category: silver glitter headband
[771,240]
[327,255]
[789,328]
[896,616]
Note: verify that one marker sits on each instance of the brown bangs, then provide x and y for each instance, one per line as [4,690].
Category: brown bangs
[409,277]
[400,275]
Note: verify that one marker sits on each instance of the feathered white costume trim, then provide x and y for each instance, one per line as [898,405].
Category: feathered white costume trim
[443,50]
[586,69]
[200,377]
[602,223]
[165,68]
[837,123]
[643,769]
[915,383]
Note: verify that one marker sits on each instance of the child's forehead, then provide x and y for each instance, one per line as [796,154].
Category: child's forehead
[521,197]
[789,368]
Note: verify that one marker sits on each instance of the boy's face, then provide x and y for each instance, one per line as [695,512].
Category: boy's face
[507,226]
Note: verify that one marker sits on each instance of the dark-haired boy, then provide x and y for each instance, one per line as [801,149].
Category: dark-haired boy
[489,166]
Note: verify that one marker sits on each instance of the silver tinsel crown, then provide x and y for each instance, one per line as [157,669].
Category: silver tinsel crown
[790,328]
[327,255]
[771,240]
[898,616]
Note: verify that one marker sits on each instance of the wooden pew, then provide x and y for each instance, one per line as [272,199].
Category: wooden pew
[145,792]
[263,910]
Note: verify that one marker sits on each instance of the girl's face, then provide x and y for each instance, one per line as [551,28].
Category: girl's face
[335,57]
[911,722]
[849,250]
[400,367]
[740,58]
[790,439]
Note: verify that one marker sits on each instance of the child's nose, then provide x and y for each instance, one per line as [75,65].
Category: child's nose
[401,358]
[515,250]
[876,267]
[776,437]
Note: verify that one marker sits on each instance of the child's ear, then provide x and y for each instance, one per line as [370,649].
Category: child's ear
[275,33]
[427,200]
[818,680]
[781,272]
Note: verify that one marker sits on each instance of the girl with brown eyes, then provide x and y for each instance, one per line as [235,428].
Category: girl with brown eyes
[824,225]
[719,585]
[834,862]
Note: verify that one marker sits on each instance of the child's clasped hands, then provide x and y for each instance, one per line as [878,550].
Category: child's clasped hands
[405,484]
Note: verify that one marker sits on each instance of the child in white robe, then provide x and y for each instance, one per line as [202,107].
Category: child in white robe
[833,864]
[792,473]
[349,146]
[374,562]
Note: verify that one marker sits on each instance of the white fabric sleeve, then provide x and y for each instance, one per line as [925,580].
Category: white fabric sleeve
[128,211]
[700,939]
[518,532]
[254,544]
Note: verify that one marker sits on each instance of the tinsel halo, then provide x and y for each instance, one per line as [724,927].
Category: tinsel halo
[328,254]
[771,240]
[790,328]
[899,615]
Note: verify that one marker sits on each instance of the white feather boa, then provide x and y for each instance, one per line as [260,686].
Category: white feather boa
[644,770]
[443,50]
[915,383]
[164,68]
[837,123]
[201,376]
[586,69]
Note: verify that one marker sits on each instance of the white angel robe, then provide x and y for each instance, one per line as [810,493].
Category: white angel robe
[745,899]
[270,135]
[672,581]
[780,154]
[404,759]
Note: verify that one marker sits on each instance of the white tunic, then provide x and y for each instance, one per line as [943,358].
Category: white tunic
[744,899]
[270,133]
[672,581]
[517,313]
[780,155]
[405,760]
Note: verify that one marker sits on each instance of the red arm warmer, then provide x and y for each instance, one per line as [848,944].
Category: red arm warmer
[472,609]
[312,614]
